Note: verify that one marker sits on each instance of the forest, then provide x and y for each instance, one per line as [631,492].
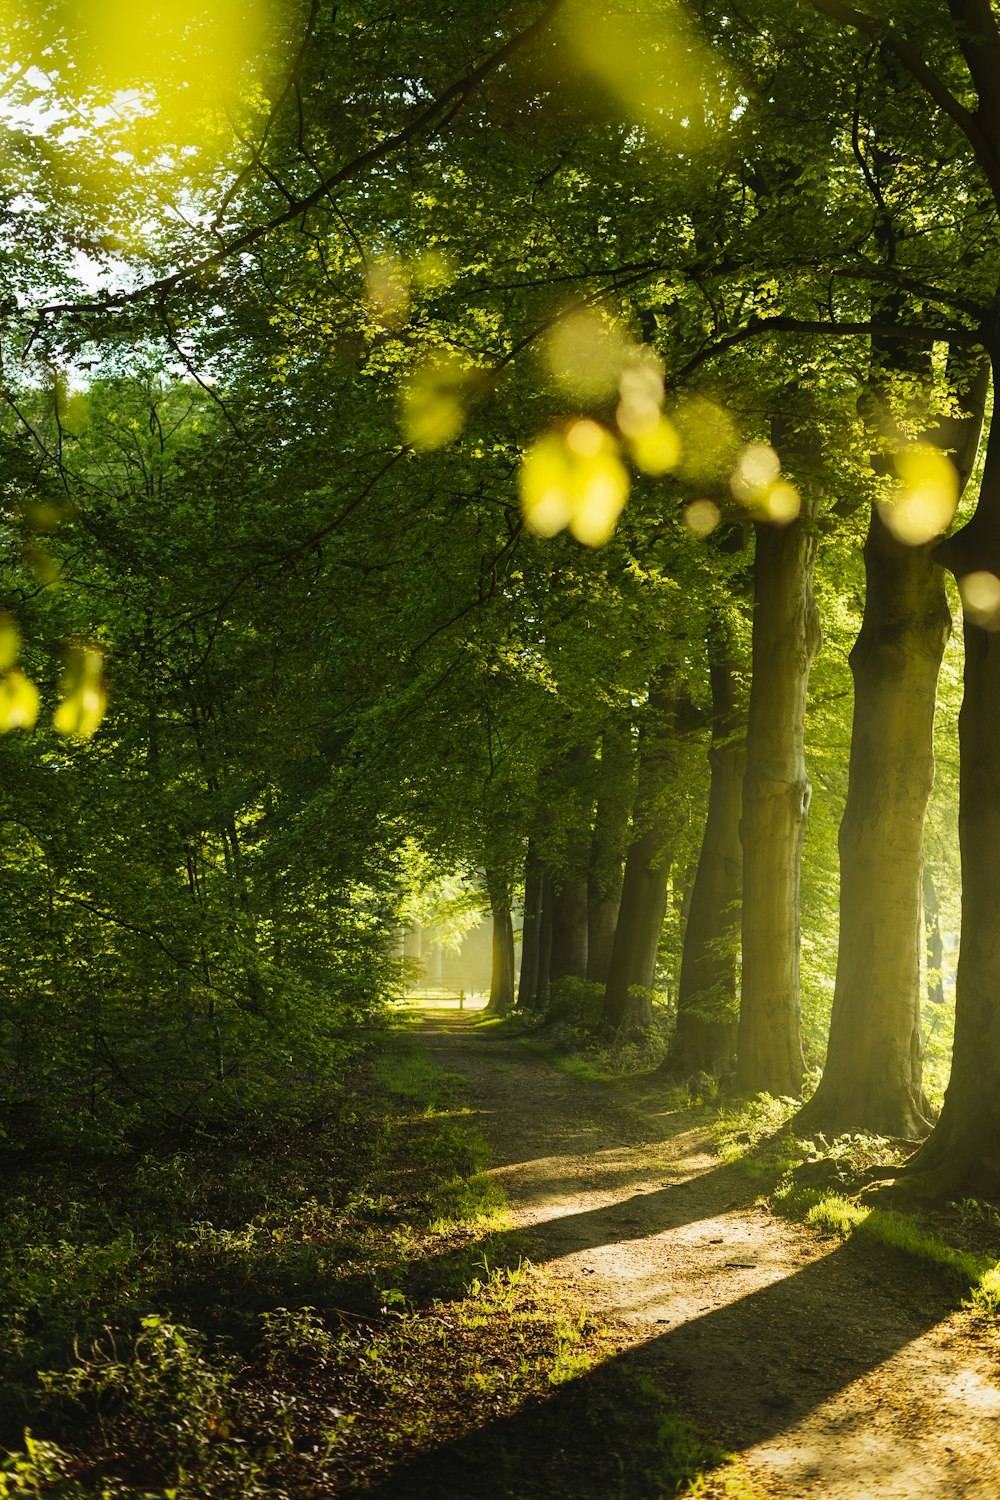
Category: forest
[514,479]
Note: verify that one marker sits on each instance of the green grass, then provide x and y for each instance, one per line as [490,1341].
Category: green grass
[287,1315]
[476,1201]
[976,1274]
[574,1063]
[757,1133]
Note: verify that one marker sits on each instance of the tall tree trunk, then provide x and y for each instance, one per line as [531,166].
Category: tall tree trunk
[573,821]
[873,1074]
[963,1150]
[933,942]
[707,1002]
[602,919]
[776,793]
[607,848]
[544,944]
[502,974]
[872,1078]
[647,870]
[528,983]
[568,958]
[527,989]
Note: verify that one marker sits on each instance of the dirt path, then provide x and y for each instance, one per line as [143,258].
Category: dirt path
[836,1372]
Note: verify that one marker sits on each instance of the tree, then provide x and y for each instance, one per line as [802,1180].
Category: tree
[960,1148]
[656,822]
[776,793]
[607,846]
[872,1078]
[708,997]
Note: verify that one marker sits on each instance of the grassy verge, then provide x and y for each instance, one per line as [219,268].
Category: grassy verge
[960,1240]
[335,1310]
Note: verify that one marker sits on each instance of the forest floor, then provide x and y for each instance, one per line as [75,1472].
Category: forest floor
[834,1369]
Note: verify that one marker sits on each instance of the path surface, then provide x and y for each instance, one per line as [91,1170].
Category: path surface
[837,1372]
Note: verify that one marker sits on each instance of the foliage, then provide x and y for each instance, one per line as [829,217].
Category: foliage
[388,400]
[264,1339]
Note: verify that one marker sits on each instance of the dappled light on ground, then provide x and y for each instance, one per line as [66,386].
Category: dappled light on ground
[836,1370]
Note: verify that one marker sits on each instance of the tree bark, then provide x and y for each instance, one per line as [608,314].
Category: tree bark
[501,999]
[647,870]
[607,848]
[708,1003]
[776,793]
[872,1078]
[962,1153]
[602,919]
[527,990]
[873,1074]
[569,930]
[544,944]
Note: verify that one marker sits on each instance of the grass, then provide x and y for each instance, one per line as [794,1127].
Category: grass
[961,1241]
[577,1065]
[976,1274]
[314,1314]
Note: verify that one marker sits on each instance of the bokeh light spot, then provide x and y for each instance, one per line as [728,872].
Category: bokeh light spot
[980,593]
[574,478]
[701,517]
[927,496]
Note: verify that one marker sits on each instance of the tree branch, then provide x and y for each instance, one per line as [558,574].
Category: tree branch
[430,120]
[982,144]
[779,324]
[979,38]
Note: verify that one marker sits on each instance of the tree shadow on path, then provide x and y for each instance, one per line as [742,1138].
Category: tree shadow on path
[800,1323]
[752,1369]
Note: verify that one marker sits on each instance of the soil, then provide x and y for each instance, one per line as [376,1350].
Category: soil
[836,1371]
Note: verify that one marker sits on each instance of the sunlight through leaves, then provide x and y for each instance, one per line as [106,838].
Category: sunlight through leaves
[10,641]
[574,478]
[83,693]
[433,401]
[708,438]
[701,517]
[651,61]
[757,484]
[587,354]
[19,701]
[980,593]
[388,292]
[184,43]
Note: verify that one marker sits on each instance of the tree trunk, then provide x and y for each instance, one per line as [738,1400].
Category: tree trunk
[527,990]
[607,848]
[776,792]
[647,871]
[933,941]
[602,919]
[544,943]
[872,1078]
[873,1074]
[707,1002]
[569,930]
[501,999]
[962,1153]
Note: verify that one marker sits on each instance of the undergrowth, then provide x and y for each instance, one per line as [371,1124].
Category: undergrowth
[822,1182]
[571,1032]
[308,1314]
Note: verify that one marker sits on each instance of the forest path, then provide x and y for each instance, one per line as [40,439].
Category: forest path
[837,1370]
